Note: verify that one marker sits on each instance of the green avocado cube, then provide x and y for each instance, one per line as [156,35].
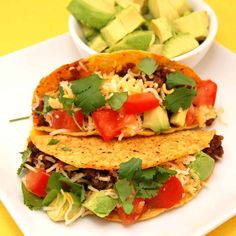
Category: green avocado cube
[98,44]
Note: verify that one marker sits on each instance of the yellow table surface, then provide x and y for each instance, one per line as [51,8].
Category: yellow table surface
[26,22]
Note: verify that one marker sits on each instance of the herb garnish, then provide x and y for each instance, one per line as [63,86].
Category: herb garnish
[178,79]
[25,156]
[148,66]
[46,107]
[66,149]
[181,97]
[53,141]
[135,182]
[88,94]
[117,100]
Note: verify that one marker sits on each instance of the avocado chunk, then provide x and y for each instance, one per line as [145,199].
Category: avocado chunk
[139,40]
[162,8]
[156,48]
[100,203]
[88,32]
[162,28]
[98,44]
[93,13]
[156,119]
[181,6]
[126,3]
[195,23]
[113,32]
[126,21]
[178,118]
[202,166]
[179,44]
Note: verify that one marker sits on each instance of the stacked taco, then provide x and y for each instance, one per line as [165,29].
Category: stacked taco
[104,143]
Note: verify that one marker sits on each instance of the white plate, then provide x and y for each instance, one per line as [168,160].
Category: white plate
[20,73]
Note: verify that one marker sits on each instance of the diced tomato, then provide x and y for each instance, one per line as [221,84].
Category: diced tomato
[206,93]
[191,116]
[139,103]
[139,209]
[36,182]
[62,120]
[169,194]
[108,123]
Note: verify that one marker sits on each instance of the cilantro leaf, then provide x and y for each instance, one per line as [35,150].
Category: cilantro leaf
[30,200]
[25,156]
[88,96]
[51,195]
[117,100]
[53,141]
[176,79]
[54,182]
[130,169]
[46,107]
[148,66]
[124,190]
[162,174]
[181,97]
[66,149]
[146,193]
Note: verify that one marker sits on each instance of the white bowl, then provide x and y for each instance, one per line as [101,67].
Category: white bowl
[191,58]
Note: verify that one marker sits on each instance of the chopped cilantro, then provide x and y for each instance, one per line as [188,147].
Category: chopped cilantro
[178,79]
[66,149]
[53,141]
[124,191]
[148,66]
[25,156]
[135,182]
[181,97]
[30,200]
[53,182]
[46,107]
[88,94]
[117,100]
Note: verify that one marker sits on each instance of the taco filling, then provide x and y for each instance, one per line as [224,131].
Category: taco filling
[127,194]
[141,98]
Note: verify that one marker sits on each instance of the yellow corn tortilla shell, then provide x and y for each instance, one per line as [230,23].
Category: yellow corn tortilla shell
[93,152]
[105,63]
[151,213]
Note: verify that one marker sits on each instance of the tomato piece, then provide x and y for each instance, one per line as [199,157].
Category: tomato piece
[108,123]
[139,103]
[62,120]
[206,93]
[169,194]
[139,209]
[191,116]
[36,182]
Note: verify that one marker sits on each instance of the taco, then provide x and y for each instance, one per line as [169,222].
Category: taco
[123,94]
[127,181]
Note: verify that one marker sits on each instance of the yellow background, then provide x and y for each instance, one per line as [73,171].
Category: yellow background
[26,22]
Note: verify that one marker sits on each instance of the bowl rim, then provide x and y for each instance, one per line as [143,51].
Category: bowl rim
[213,28]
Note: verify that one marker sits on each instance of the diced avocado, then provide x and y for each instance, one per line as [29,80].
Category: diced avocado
[141,3]
[126,3]
[126,21]
[156,119]
[202,166]
[93,13]
[160,8]
[88,32]
[162,28]
[139,40]
[181,6]
[196,23]
[113,32]
[110,3]
[130,18]
[100,204]
[98,44]
[187,12]
[178,118]
[179,44]
[156,48]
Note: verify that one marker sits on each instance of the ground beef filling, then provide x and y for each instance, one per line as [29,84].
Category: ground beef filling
[215,150]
